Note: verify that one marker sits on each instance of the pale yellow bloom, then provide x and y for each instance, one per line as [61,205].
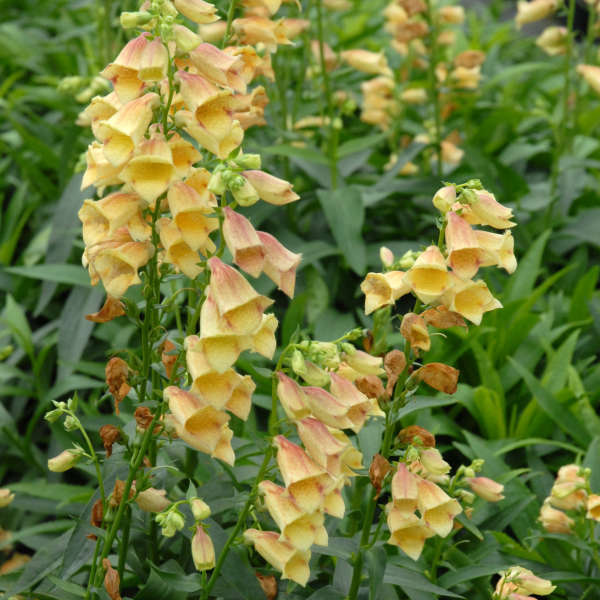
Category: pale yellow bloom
[203,551]
[271,189]
[408,531]
[123,71]
[429,277]
[219,67]
[373,63]
[154,61]
[243,243]
[528,12]
[292,398]
[383,289]
[197,10]
[553,520]
[99,171]
[178,252]
[486,488]
[153,500]
[470,299]
[591,74]
[553,40]
[280,264]
[437,508]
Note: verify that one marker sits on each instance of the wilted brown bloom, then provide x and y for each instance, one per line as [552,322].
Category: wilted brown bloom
[16,561]
[412,7]
[442,318]
[379,468]
[117,493]
[414,434]
[414,329]
[112,309]
[116,378]
[268,583]
[439,376]
[410,30]
[370,386]
[394,363]
[143,417]
[111,581]
[109,435]
[469,59]
[96,518]
[168,358]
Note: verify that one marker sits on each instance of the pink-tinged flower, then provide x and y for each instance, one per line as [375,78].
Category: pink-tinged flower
[212,126]
[444,198]
[122,133]
[519,580]
[364,363]
[464,253]
[200,425]
[228,390]
[486,488]
[327,408]
[203,551]
[151,170]
[260,30]
[306,481]
[568,495]
[178,252]
[408,532]
[323,447]
[373,63]
[386,256]
[236,300]
[117,262]
[212,32]
[280,263]
[261,7]
[486,210]
[361,405]
[219,67]
[263,341]
[555,521]
[471,299]
[434,463]
[99,171]
[292,398]
[383,289]
[243,243]
[298,528]
[154,61]
[249,109]
[528,12]
[184,155]
[250,61]
[593,507]
[291,562]
[103,217]
[497,249]
[153,500]
[429,277]
[292,28]
[101,108]
[196,90]
[591,74]
[220,345]
[123,72]
[190,210]
[405,491]
[437,508]
[271,189]
[197,11]
[64,461]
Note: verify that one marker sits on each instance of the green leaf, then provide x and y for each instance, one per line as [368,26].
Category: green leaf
[68,586]
[309,154]
[469,573]
[358,144]
[345,213]
[57,526]
[417,403]
[582,294]
[560,414]
[59,273]
[523,280]
[406,578]
[13,317]
[327,593]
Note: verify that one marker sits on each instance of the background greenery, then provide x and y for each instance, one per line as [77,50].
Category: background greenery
[530,375]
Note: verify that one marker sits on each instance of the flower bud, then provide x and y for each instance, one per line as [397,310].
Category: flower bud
[314,375]
[71,423]
[216,184]
[467,497]
[444,198]
[203,551]
[153,500]
[53,415]
[65,460]
[555,521]
[6,497]
[185,39]
[486,488]
[171,522]
[244,194]
[130,20]
[247,161]
[386,256]
[200,509]
[297,363]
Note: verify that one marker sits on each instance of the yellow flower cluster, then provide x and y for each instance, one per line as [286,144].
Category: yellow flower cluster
[162,88]
[466,250]
[315,474]
[570,492]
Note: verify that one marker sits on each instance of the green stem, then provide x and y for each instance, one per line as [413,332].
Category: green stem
[230,13]
[433,87]
[274,380]
[562,135]
[239,524]
[124,543]
[95,460]
[332,143]
[590,35]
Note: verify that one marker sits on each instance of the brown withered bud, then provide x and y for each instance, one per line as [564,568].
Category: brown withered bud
[439,376]
[16,561]
[417,436]
[469,59]
[117,493]
[370,386]
[143,417]
[109,435]
[112,309]
[394,362]
[268,583]
[112,581]
[413,7]
[442,318]
[367,342]
[168,357]
[379,468]
[96,518]
[146,462]
[414,329]
[116,378]
[410,30]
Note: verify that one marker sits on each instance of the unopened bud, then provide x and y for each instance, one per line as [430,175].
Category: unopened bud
[444,198]
[71,423]
[6,497]
[130,20]
[407,260]
[466,496]
[216,185]
[53,415]
[200,509]
[314,375]
[243,192]
[386,256]
[203,551]
[248,161]
[153,500]
[65,460]
[298,363]
[379,468]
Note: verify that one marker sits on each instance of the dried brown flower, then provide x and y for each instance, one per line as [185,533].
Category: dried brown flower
[109,435]
[116,378]
[112,309]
